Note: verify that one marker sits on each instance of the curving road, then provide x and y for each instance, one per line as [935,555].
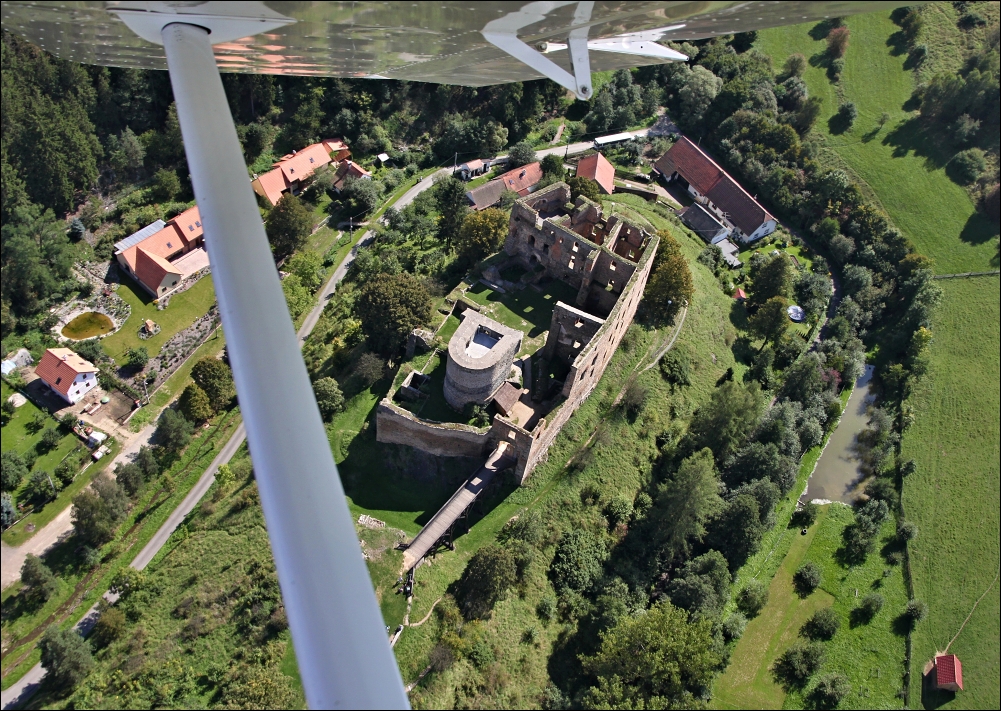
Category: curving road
[25,687]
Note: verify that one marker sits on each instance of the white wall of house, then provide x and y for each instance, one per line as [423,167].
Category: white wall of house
[170,281]
[82,384]
[766,228]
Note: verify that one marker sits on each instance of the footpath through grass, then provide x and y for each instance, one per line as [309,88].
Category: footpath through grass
[953,496]
[900,165]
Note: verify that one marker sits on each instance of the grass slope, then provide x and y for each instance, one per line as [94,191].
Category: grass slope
[870,655]
[900,165]
[953,496]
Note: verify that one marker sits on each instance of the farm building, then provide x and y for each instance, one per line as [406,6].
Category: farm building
[948,672]
[712,187]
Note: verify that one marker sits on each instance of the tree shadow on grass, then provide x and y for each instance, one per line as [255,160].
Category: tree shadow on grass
[913,135]
[838,124]
[897,43]
[822,29]
[979,229]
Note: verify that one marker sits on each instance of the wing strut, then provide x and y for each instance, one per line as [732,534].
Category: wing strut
[342,649]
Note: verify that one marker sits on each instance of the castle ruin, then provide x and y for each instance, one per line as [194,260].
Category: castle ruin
[607,260]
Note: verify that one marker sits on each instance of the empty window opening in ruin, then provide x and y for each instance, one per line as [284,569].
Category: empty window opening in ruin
[481,343]
[611,266]
[570,265]
[576,345]
[531,240]
[578,323]
[545,249]
[575,245]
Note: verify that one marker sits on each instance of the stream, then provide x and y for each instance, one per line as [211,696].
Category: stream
[836,476]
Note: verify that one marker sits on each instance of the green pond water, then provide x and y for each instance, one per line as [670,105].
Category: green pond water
[837,475]
[88,325]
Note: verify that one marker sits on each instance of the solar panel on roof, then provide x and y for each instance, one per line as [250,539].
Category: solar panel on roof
[137,237]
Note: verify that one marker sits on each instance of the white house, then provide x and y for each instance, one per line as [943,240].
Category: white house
[67,374]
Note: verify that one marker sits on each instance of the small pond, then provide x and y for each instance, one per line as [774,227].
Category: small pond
[88,325]
[837,474]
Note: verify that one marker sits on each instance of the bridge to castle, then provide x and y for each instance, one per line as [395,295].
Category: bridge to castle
[440,527]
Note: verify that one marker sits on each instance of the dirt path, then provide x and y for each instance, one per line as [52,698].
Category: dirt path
[61,527]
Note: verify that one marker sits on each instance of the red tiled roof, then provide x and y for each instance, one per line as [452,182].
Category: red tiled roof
[59,368]
[522,179]
[302,164]
[597,168]
[293,167]
[176,237]
[349,169]
[705,175]
[740,294]
[948,670]
[152,268]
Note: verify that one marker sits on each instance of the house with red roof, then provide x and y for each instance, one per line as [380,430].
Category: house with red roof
[162,255]
[712,187]
[349,170]
[520,180]
[948,672]
[597,168]
[67,374]
[291,173]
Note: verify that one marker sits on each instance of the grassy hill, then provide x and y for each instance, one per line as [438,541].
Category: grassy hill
[953,496]
[900,166]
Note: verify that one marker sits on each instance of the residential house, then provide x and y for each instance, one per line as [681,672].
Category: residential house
[520,180]
[597,168]
[67,374]
[349,169]
[712,187]
[290,174]
[161,255]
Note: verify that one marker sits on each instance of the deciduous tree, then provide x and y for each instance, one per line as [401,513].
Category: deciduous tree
[194,404]
[486,579]
[66,657]
[329,398]
[38,579]
[482,234]
[216,379]
[97,511]
[770,321]
[677,662]
[390,308]
[288,225]
[670,286]
[173,431]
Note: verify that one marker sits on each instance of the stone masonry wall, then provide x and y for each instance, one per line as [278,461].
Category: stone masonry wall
[398,426]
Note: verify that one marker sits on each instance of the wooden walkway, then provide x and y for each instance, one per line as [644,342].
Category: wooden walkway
[429,537]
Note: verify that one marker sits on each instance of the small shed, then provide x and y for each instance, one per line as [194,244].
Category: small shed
[740,294]
[96,438]
[948,672]
[506,398]
[383,158]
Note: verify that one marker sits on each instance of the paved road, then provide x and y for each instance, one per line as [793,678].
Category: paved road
[28,684]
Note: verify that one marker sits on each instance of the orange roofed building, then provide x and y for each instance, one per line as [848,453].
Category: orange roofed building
[67,374]
[161,255]
[288,174]
[597,168]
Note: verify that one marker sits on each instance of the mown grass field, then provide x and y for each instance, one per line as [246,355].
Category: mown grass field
[901,165]
[870,655]
[953,497]
[182,311]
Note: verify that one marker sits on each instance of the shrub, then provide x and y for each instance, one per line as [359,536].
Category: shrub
[753,598]
[869,607]
[822,625]
[137,357]
[795,65]
[733,627]
[915,611]
[799,662]
[546,609]
[806,516]
[618,510]
[13,470]
[329,398]
[837,42]
[487,577]
[831,690]
[577,562]
[109,626]
[907,530]
[966,166]
[847,113]
[675,366]
[50,439]
[807,578]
